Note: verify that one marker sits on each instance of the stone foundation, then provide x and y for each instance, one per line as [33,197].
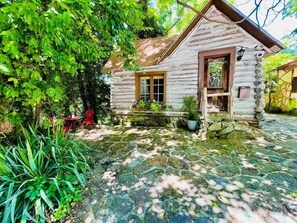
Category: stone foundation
[150,119]
[216,125]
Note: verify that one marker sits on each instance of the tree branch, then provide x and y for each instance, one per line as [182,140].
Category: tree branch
[214,20]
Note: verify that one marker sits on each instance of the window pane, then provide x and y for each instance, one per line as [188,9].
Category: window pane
[161,89]
[145,88]
[158,88]
[215,70]
[161,98]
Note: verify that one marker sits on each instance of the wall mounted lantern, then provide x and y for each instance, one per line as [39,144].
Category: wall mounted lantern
[240,53]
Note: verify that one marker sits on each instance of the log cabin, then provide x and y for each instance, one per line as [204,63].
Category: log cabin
[218,58]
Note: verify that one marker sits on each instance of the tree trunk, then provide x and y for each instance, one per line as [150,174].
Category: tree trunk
[82,90]
[37,115]
[90,73]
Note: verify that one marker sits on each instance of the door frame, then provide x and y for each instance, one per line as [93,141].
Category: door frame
[229,51]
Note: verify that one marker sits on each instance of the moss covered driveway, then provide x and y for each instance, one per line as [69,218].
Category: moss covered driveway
[158,175]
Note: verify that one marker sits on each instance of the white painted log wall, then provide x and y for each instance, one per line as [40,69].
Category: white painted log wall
[182,66]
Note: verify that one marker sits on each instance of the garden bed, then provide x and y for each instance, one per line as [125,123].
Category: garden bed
[150,118]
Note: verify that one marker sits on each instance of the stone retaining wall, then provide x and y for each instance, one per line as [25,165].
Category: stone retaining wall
[217,125]
[150,119]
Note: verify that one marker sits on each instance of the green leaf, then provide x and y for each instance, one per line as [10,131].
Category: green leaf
[35,76]
[3,68]
[14,80]
[45,198]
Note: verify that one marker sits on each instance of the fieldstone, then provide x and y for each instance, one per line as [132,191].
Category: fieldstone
[152,218]
[177,163]
[226,130]
[249,182]
[241,127]
[153,174]
[144,166]
[135,162]
[157,160]
[268,167]
[210,135]
[241,134]
[219,180]
[170,193]
[127,179]
[283,179]
[243,123]
[120,205]
[134,219]
[278,159]
[228,170]
[192,157]
[202,220]
[291,164]
[117,146]
[215,127]
[140,197]
[249,171]
[292,208]
[180,219]
[209,161]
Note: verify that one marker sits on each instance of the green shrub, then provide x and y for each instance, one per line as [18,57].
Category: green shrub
[190,104]
[151,106]
[292,104]
[156,107]
[41,177]
[143,105]
[193,115]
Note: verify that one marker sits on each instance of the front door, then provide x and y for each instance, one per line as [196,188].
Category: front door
[216,80]
[216,68]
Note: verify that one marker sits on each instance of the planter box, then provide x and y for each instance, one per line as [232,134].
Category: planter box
[150,118]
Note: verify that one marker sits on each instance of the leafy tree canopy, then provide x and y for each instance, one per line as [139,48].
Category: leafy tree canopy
[42,41]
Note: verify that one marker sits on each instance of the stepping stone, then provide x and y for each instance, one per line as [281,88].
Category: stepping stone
[202,220]
[180,219]
[292,208]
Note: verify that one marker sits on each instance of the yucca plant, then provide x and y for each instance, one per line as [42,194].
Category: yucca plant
[40,177]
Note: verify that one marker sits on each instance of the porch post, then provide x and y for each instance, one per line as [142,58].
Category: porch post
[203,120]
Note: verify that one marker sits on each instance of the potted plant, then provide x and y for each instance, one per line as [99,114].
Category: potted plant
[190,105]
[192,120]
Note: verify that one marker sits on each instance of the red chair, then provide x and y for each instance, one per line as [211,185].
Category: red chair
[88,118]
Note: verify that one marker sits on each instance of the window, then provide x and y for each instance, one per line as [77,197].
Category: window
[294,85]
[150,86]
[215,72]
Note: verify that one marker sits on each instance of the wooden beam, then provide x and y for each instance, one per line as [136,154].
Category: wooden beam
[204,102]
[219,94]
